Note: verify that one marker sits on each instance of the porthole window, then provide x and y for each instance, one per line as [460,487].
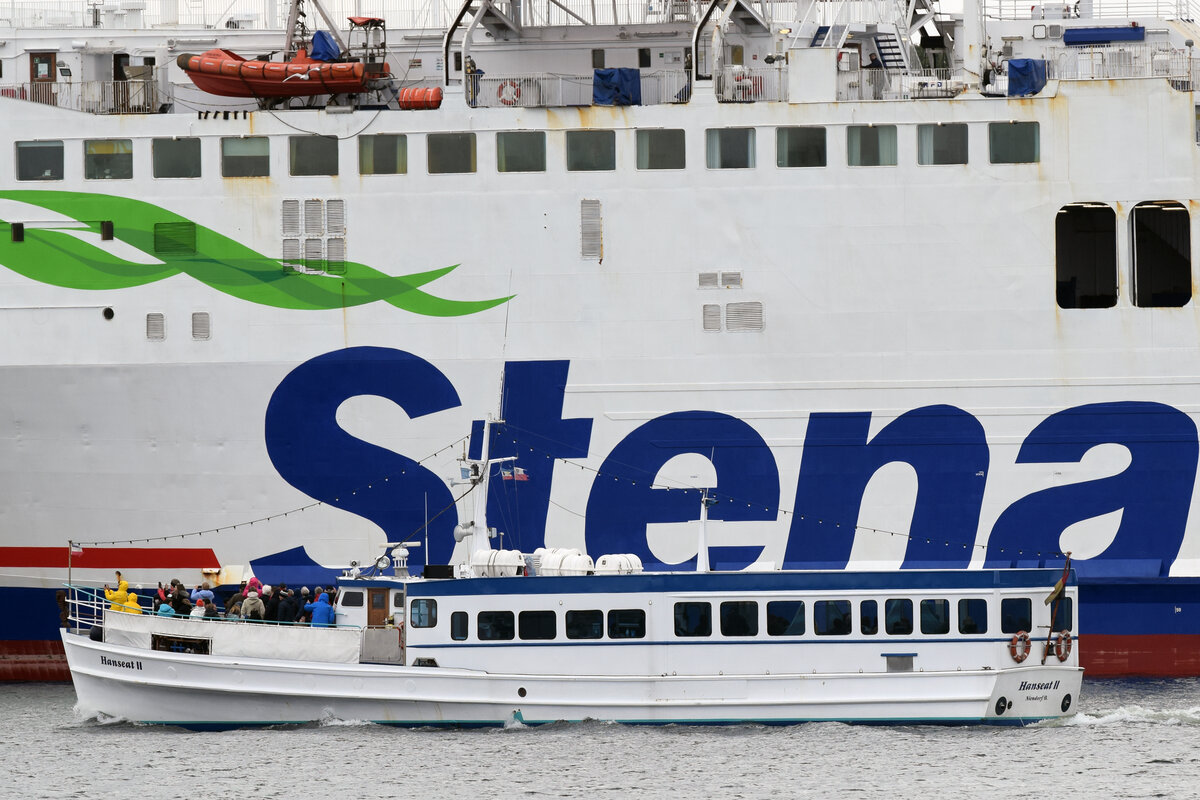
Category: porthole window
[1016,614]
[785,618]
[739,618]
[1161,234]
[494,626]
[831,618]
[898,617]
[1085,247]
[423,613]
[693,619]
[935,617]
[972,616]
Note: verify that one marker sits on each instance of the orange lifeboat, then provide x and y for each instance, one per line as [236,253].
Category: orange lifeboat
[227,74]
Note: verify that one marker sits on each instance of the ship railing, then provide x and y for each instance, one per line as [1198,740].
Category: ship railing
[1118,61]
[747,85]
[885,84]
[93,97]
[548,90]
[1095,9]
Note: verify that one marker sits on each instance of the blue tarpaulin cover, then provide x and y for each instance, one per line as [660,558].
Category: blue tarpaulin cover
[617,87]
[324,48]
[1026,76]
[1078,36]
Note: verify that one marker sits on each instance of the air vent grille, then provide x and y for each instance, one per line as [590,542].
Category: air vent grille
[314,218]
[712,317]
[591,230]
[156,326]
[290,214]
[201,326]
[744,316]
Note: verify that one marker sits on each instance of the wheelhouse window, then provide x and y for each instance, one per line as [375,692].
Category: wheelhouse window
[800,147]
[108,159]
[351,599]
[1085,255]
[693,619]
[458,626]
[627,623]
[423,613]
[248,157]
[785,618]
[871,146]
[492,626]
[591,151]
[537,625]
[660,149]
[831,617]
[1162,255]
[739,618]
[39,161]
[176,158]
[1016,615]
[868,618]
[383,154]
[972,615]
[935,616]
[1063,611]
[942,144]
[585,624]
[313,155]
[521,151]
[898,617]
[451,153]
[730,148]
[1014,143]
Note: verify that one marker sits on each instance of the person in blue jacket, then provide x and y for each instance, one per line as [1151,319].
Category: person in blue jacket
[322,612]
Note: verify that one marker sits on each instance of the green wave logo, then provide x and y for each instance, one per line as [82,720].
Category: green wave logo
[71,254]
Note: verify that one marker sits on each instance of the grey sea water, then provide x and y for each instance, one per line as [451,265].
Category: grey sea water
[1131,739]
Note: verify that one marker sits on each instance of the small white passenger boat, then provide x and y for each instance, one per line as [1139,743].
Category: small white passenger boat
[552,636]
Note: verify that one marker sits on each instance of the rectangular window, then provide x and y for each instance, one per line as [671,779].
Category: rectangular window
[898,617]
[248,157]
[1162,255]
[942,144]
[423,613]
[693,619]
[39,161]
[785,618]
[585,624]
[627,623]
[458,626]
[831,617]
[871,146]
[591,151]
[493,626]
[660,149]
[1016,615]
[451,153]
[972,616]
[383,154]
[1014,143]
[1063,611]
[176,158]
[868,618]
[351,599]
[739,618]
[935,616]
[521,151]
[800,147]
[313,155]
[108,159]
[539,625]
[1085,254]
[730,148]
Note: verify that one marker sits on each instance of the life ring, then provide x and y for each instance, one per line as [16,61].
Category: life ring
[1020,646]
[509,93]
[1062,645]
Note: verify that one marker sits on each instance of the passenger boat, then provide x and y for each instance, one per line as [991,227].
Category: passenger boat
[508,638]
[932,315]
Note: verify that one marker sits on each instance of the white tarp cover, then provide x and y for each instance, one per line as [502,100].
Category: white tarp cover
[246,639]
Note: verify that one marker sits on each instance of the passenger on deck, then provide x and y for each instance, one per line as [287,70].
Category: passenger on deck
[322,612]
[165,610]
[253,609]
[234,609]
[253,585]
[118,596]
[274,598]
[289,607]
[180,602]
[131,604]
[202,592]
[198,610]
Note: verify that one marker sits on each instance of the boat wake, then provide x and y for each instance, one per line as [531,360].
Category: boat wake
[1135,714]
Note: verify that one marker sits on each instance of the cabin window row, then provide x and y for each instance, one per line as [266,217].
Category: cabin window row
[525,151]
[740,618]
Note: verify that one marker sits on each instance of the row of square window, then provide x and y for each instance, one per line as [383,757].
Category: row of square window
[740,618]
[525,151]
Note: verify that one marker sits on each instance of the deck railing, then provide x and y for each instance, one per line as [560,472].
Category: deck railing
[1117,61]
[1095,9]
[749,85]
[545,90]
[93,97]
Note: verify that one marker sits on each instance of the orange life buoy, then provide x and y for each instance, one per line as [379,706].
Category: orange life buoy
[1062,645]
[1019,647]
[509,93]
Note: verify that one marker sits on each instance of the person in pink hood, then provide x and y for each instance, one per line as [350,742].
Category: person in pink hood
[253,585]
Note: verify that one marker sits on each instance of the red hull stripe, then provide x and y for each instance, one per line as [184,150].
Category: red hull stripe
[1143,655]
[123,558]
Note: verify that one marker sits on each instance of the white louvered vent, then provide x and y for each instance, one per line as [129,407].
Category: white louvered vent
[313,252]
[201,326]
[712,317]
[291,255]
[744,316]
[291,218]
[314,222]
[335,217]
[731,280]
[708,280]
[591,230]
[335,256]
[156,326]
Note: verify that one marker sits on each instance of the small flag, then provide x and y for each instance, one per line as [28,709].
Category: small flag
[506,474]
[76,548]
[1058,587]
[520,474]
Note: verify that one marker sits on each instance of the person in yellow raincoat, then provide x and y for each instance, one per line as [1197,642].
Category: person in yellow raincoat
[130,605]
[120,595]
